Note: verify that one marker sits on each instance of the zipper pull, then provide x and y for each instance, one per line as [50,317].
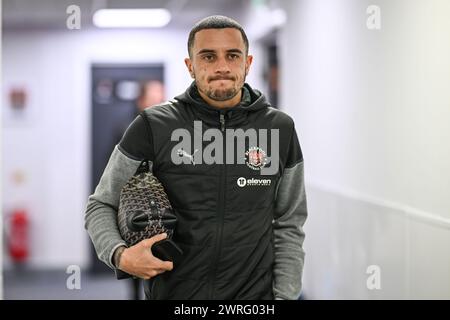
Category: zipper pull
[222,122]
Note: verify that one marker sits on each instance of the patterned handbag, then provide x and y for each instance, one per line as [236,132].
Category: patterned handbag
[145,211]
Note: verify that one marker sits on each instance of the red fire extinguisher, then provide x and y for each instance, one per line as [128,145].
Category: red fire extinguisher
[18,235]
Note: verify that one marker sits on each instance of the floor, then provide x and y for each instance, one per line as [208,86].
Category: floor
[49,285]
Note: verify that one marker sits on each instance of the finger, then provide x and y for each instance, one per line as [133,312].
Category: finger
[149,242]
[169,265]
[160,264]
[159,271]
[155,272]
[152,273]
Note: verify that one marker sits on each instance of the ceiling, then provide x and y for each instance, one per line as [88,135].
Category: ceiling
[51,14]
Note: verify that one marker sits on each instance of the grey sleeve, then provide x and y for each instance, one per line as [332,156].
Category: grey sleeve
[101,212]
[289,217]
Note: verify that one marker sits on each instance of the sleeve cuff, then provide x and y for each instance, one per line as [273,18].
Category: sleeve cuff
[111,254]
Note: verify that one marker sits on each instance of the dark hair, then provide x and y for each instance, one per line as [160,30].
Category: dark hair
[216,22]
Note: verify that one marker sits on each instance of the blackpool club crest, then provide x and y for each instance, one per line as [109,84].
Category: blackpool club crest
[255,158]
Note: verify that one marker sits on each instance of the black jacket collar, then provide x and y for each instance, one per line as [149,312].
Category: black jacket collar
[252,101]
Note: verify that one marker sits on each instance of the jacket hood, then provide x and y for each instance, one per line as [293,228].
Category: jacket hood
[252,101]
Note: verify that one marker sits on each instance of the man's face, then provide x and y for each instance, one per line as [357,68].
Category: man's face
[219,63]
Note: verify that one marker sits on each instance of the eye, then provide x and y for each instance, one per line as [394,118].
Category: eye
[233,56]
[208,57]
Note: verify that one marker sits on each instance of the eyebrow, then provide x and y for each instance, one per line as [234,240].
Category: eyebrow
[214,51]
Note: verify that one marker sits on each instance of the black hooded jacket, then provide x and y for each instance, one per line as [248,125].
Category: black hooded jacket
[226,210]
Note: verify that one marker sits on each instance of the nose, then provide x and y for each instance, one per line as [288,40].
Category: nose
[222,66]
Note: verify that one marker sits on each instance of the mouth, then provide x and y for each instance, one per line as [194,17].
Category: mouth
[221,79]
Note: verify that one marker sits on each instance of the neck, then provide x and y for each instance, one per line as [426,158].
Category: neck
[222,104]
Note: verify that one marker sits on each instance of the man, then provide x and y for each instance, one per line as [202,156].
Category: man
[240,206]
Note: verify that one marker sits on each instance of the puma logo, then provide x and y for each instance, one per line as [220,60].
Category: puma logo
[183,153]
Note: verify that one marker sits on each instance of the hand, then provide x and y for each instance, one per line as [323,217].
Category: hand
[139,261]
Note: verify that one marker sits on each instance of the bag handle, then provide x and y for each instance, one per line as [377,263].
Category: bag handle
[143,167]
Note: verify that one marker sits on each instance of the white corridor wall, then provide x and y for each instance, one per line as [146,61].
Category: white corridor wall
[372,109]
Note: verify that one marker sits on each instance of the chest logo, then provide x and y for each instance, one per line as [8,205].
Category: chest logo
[255,158]
[183,153]
[253,182]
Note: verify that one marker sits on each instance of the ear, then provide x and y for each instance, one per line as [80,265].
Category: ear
[248,63]
[188,64]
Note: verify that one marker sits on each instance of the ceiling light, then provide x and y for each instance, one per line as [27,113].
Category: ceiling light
[279,17]
[131,18]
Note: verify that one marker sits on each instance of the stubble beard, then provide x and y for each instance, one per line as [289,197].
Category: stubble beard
[223,94]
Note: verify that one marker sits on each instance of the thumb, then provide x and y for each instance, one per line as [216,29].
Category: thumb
[148,243]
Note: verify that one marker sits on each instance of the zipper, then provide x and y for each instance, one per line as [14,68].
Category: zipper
[220,212]
[222,122]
